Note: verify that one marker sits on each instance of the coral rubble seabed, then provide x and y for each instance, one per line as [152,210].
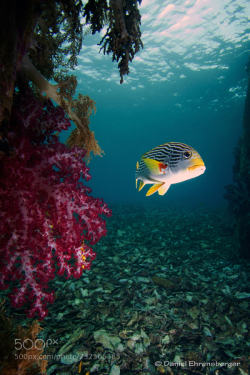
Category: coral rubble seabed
[166,294]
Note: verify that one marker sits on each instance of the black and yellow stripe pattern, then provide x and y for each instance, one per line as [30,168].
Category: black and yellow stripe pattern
[171,152]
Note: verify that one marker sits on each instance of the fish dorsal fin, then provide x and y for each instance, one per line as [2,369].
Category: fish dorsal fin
[163,189]
[152,164]
[154,188]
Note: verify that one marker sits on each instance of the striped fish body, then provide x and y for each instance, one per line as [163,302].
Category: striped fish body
[168,164]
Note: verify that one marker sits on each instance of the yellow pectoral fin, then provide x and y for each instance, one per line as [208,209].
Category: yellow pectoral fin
[163,189]
[154,188]
[152,165]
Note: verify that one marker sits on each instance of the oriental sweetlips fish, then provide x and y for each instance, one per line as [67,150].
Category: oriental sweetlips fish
[168,164]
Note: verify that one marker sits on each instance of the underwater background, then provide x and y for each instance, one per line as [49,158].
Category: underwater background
[187,85]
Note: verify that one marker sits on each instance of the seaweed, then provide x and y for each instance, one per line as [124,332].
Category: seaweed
[123,36]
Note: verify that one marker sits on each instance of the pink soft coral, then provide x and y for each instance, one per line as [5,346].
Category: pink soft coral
[47,216]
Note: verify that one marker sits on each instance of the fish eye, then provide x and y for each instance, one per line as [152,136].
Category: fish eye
[187,154]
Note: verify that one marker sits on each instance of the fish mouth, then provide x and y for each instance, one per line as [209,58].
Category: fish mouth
[197,163]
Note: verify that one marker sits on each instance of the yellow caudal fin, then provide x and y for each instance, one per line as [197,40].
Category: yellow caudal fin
[163,189]
[153,189]
[152,165]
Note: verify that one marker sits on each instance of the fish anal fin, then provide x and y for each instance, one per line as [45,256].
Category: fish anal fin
[154,188]
[163,189]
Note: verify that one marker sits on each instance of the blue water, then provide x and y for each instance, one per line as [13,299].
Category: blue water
[187,85]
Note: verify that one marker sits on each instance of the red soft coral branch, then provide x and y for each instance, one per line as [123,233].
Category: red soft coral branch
[46,212]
